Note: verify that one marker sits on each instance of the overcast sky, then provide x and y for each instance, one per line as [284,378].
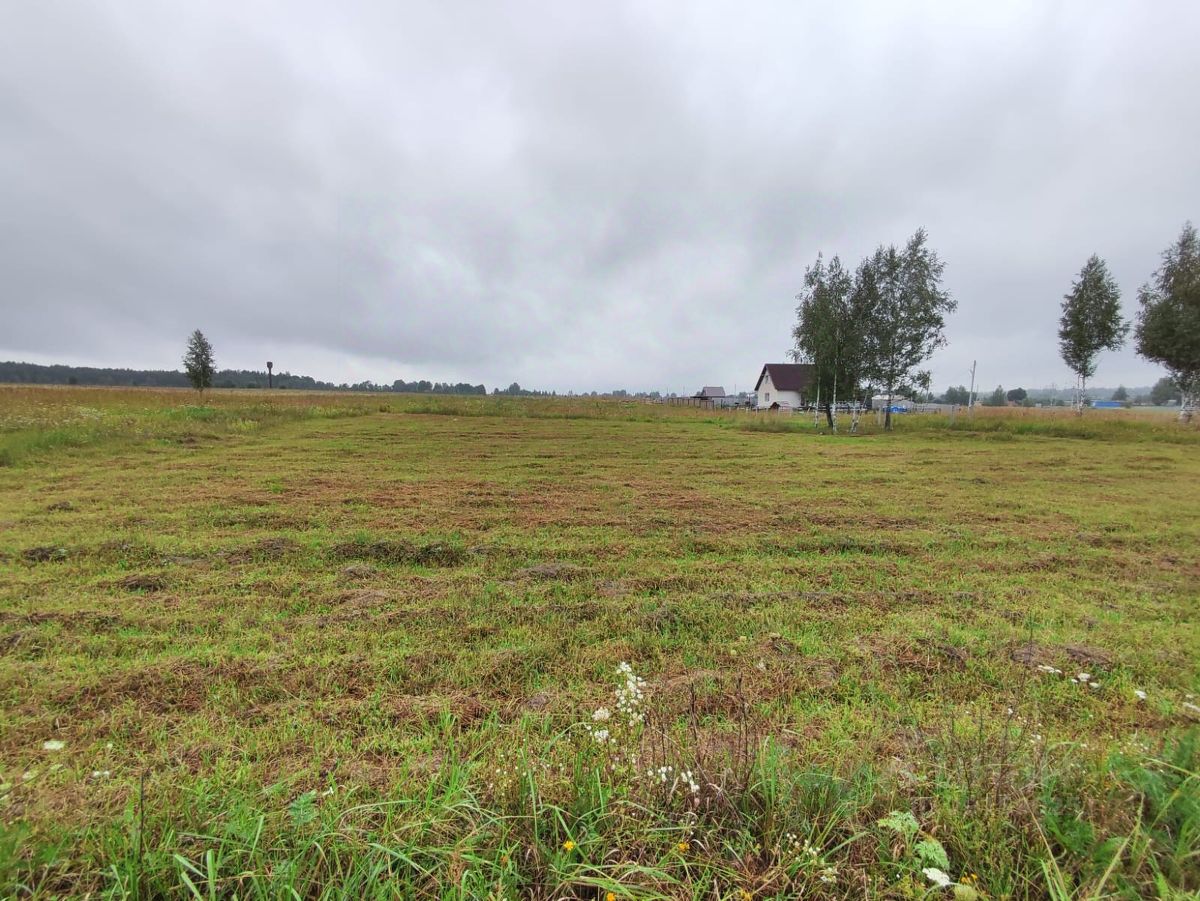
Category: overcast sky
[573,195]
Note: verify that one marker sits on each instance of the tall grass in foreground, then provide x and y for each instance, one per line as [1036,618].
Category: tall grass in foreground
[636,802]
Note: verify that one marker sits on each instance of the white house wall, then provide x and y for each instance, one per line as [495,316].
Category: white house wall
[767,395]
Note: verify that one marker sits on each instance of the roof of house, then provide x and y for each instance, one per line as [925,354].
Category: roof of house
[788,376]
[711,391]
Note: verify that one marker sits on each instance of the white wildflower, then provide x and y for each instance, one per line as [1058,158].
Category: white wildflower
[101,774]
[1084,677]
[602,715]
[1141,695]
[630,694]
[53,744]
[938,877]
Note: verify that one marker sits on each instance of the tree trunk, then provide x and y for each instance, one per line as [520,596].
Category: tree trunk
[829,415]
[887,416]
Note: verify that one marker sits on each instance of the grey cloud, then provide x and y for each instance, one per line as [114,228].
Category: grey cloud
[572,195]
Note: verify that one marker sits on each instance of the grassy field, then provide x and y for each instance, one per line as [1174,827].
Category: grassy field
[346,646]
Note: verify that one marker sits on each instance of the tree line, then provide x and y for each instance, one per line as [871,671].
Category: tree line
[1166,328]
[37,374]
[873,328]
[1162,392]
[870,330]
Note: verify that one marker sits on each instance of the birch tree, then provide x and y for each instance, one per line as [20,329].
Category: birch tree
[828,332]
[1168,321]
[1090,322]
[905,310]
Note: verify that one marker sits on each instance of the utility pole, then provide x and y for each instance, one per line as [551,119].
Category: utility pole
[971,396]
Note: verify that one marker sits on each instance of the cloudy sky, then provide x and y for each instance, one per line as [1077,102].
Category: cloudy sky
[573,195]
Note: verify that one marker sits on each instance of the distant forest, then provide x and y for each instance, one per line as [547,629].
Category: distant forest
[36,374]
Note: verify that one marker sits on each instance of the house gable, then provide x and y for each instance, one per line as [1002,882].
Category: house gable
[796,377]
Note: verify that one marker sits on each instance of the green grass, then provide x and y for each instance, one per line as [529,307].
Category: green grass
[343,646]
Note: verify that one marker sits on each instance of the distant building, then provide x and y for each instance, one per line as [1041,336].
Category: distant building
[711,392]
[784,385]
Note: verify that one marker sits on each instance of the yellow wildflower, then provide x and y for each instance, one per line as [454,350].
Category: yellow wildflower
[568,845]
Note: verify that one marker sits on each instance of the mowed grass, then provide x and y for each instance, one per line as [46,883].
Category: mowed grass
[347,646]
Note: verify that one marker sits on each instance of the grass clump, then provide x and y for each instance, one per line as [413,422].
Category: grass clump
[407,553]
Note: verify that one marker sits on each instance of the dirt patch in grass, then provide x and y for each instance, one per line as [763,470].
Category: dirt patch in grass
[155,689]
[23,643]
[408,553]
[668,617]
[91,618]
[933,658]
[356,571]
[185,686]
[726,694]
[364,599]
[142,582]
[535,703]
[424,710]
[1032,654]
[356,606]
[264,550]
[923,657]
[1087,655]
[44,554]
